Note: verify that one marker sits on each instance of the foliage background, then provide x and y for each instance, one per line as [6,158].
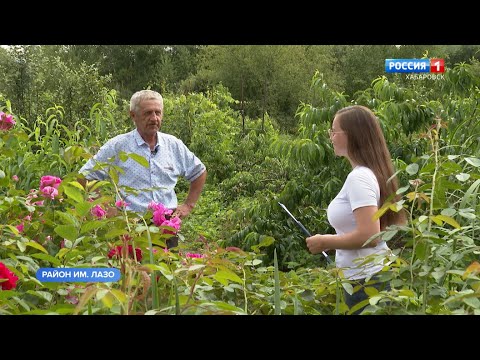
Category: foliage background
[258,117]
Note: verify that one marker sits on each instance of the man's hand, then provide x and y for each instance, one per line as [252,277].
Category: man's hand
[112,211]
[194,191]
[183,210]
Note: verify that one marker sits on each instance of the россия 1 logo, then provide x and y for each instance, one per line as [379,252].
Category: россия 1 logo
[414,65]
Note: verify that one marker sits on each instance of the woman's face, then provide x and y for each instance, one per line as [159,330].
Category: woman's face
[338,138]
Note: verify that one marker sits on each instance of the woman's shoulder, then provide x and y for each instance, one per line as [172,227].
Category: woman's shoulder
[360,172]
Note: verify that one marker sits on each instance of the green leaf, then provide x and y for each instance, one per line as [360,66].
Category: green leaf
[347,287]
[223,275]
[4,181]
[141,228]
[91,225]
[62,252]
[402,189]
[83,207]
[265,242]
[163,268]
[389,235]
[370,290]
[36,246]
[473,161]
[196,267]
[467,215]
[472,301]
[449,212]
[379,213]
[98,184]
[115,232]
[77,185]
[5,294]
[422,218]
[120,296]
[412,169]
[68,232]
[359,305]
[96,258]
[113,175]
[101,293]
[139,159]
[73,193]
[67,218]
[21,246]
[470,195]
[23,304]
[106,297]
[436,220]
[407,293]
[374,300]
[449,221]
[13,229]
[449,168]
[462,177]
[225,306]
[46,257]
[420,250]
[122,155]
[41,294]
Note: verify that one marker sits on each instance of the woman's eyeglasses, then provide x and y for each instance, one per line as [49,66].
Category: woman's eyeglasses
[330,132]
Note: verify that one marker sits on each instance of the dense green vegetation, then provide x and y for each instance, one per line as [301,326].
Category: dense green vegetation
[257,116]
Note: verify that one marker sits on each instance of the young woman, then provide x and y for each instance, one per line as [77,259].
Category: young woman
[357,136]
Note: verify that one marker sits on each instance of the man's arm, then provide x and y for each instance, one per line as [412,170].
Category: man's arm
[196,187]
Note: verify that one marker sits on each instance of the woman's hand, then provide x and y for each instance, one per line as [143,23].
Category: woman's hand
[318,243]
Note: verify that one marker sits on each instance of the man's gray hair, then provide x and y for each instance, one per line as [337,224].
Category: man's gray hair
[143,95]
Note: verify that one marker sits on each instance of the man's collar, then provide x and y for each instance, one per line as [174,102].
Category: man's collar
[139,139]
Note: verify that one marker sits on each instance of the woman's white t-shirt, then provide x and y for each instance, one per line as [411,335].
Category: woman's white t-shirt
[360,189]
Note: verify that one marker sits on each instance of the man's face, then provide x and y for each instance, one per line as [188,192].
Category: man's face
[148,118]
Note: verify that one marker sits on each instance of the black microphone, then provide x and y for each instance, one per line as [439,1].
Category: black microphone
[154,151]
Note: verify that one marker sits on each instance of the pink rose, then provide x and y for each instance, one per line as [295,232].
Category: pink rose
[194,256]
[48,180]
[98,211]
[6,121]
[121,203]
[20,228]
[5,273]
[49,191]
[174,223]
